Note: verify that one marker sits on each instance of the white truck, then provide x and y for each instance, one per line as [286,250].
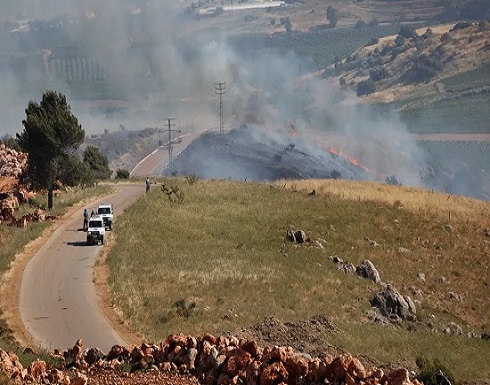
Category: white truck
[96,230]
[106,211]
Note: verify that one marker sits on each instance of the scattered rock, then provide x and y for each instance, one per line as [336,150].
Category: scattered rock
[372,242]
[453,296]
[421,277]
[295,236]
[93,355]
[454,328]
[367,270]
[345,267]
[300,236]
[403,250]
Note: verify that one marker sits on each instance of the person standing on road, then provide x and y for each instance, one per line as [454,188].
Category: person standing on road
[147,183]
[85,219]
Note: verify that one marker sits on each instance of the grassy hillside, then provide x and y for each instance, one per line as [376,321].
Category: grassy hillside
[217,259]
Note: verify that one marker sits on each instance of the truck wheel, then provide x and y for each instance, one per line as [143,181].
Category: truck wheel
[102,240]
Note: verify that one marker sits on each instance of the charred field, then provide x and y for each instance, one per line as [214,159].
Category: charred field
[246,153]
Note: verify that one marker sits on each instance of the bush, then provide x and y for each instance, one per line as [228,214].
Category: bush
[379,73]
[407,32]
[428,34]
[425,68]
[374,60]
[372,41]
[460,25]
[432,372]
[446,38]
[366,87]
[399,41]
[10,142]
[122,174]
[361,24]
[333,15]
[75,172]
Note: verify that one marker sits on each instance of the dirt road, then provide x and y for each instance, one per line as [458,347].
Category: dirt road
[58,301]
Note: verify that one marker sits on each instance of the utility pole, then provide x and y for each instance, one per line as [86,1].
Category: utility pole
[170,124]
[220,89]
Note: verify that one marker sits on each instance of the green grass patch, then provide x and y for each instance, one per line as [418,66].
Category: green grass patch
[219,261]
[479,77]
[466,357]
[463,115]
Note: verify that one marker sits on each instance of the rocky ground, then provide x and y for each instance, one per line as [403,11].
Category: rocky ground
[208,359]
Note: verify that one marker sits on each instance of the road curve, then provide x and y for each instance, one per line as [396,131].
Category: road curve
[58,301]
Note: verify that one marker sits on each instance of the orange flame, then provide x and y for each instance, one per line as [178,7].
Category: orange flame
[352,160]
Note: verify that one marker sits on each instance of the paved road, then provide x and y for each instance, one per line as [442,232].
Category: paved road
[58,302]
[154,164]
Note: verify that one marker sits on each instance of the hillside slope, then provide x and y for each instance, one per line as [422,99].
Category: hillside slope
[416,62]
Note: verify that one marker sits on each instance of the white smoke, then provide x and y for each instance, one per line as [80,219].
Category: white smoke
[143,43]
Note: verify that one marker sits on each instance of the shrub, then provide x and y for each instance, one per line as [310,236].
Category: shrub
[361,24]
[428,34]
[379,73]
[374,60]
[122,174]
[366,87]
[446,38]
[460,25]
[332,15]
[407,32]
[372,41]
[399,41]
[425,68]
[10,142]
[192,179]
[432,372]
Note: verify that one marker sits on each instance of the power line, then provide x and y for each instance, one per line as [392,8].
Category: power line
[220,89]
[170,147]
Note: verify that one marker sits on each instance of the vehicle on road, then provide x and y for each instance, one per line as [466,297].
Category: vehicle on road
[96,230]
[106,211]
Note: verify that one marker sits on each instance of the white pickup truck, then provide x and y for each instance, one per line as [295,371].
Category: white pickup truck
[96,230]
[106,211]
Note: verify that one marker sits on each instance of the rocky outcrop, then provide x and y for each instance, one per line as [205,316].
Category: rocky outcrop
[12,162]
[212,360]
[393,305]
[12,193]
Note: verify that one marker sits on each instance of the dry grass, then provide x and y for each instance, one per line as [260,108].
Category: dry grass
[443,206]
[220,261]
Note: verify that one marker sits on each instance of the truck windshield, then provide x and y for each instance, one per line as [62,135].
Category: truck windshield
[104,210]
[95,224]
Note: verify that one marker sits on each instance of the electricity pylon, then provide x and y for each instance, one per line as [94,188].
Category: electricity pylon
[220,89]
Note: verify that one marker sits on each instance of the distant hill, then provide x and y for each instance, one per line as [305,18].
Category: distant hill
[397,66]
[438,77]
